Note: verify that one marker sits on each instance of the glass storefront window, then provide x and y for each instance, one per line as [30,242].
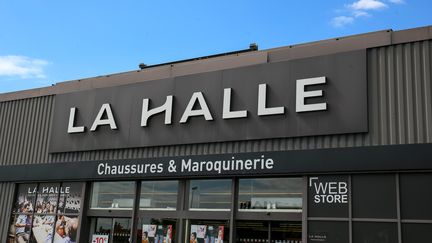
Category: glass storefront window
[286,231]
[278,194]
[20,228]
[70,198]
[268,231]
[26,196]
[156,230]
[210,194]
[42,228]
[252,231]
[374,232]
[46,201]
[374,196]
[160,195]
[415,203]
[39,213]
[110,230]
[113,195]
[201,231]
[329,231]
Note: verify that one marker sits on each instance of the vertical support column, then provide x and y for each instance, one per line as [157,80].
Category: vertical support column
[84,230]
[269,231]
[234,203]
[58,201]
[305,209]
[398,206]
[182,196]
[350,222]
[134,227]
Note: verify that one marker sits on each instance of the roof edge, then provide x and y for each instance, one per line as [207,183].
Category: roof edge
[303,50]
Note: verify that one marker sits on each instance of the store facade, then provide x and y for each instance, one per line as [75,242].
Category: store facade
[322,142]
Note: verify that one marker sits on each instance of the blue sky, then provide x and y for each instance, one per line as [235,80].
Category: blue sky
[46,42]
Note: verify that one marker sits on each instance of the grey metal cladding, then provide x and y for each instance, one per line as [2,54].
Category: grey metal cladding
[24,130]
[6,200]
[399,107]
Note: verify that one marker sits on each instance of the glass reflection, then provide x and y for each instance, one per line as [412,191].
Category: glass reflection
[159,195]
[113,195]
[210,194]
[277,194]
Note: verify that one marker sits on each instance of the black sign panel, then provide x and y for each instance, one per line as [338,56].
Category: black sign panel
[360,159]
[344,93]
[328,232]
[329,196]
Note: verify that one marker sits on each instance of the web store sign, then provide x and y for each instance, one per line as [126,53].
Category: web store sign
[312,96]
[329,196]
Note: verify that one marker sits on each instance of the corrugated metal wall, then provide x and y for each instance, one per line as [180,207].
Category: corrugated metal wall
[6,197]
[400,112]
[24,130]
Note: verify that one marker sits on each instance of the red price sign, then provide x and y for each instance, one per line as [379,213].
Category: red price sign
[100,239]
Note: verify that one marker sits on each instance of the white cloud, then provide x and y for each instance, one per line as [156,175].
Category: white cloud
[368,5]
[22,67]
[357,14]
[397,1]
[341,21]
[360,8]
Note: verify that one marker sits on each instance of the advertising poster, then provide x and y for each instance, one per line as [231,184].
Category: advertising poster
[220,235]
[149,233]
[66,229]
[46,201]
[157,233]
[20,228]
[193,234]
[168,234]
[70,198]
[45,213]
[25,198]
[206,234]
[42,229]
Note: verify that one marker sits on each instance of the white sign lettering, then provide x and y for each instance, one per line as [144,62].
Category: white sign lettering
[99,238]
[188,165]
[99,121]
[301,95]
[329,192]
[106,117]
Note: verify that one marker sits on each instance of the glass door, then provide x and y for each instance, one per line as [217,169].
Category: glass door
[110,230]
[269,232]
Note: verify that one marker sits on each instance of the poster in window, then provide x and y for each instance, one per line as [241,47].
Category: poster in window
[220,234]
[149,233]
[26,195]
[21,227]
[66,229]
[70,198]
[42,228]
[193,234]
[206,234]
[168,234]
[11,232]
[46,202]
[159,234]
